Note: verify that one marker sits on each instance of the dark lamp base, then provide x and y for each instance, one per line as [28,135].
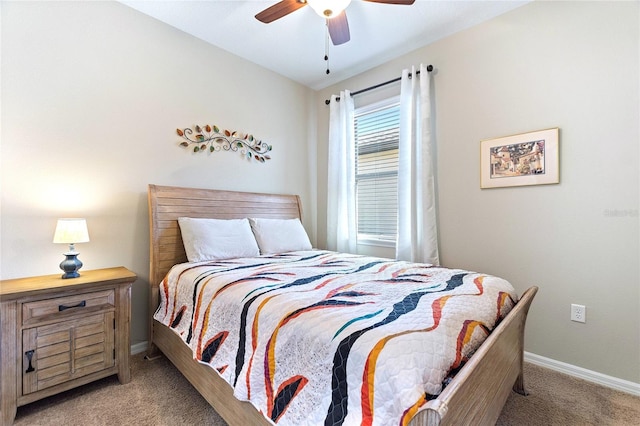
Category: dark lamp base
[71,265]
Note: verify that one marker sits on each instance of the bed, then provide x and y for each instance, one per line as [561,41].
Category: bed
[475,395]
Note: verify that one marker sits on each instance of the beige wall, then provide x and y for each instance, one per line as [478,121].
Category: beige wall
[572,65]
[92,93]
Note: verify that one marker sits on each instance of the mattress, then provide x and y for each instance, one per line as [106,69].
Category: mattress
[318,337]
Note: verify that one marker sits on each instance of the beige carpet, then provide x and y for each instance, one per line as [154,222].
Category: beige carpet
[159,395]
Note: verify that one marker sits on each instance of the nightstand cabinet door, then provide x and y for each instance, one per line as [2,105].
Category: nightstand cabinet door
[67,350]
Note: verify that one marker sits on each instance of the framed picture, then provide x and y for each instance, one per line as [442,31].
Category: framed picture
[524,159]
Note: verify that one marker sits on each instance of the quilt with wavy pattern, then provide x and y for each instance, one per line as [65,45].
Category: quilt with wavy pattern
[318,337]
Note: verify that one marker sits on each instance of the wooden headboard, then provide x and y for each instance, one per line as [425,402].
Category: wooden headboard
[168,203]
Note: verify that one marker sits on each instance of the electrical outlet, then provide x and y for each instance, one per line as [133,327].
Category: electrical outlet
[578,313]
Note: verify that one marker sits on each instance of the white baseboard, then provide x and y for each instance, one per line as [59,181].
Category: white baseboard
[584,374]
[138,348]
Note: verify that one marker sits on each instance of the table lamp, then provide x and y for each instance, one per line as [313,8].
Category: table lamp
[71,231]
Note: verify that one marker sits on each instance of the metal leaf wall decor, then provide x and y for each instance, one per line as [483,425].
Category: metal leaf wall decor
[211,139]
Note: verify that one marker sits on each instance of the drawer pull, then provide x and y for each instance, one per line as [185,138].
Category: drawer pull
[29,355]
[79,305]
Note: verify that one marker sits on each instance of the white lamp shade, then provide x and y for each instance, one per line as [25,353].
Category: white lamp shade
[71,231]
[328,8]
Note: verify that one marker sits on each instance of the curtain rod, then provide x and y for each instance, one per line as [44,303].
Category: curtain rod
[327,101]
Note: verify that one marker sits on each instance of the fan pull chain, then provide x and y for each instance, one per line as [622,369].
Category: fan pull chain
[326,49]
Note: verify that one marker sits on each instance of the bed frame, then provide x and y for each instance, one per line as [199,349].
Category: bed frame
[475,396]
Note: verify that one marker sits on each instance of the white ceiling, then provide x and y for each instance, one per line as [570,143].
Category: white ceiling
[294,45]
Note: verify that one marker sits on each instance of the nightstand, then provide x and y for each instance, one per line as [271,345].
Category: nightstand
[58,334]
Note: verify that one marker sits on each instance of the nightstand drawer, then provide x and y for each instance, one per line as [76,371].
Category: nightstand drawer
[52,308]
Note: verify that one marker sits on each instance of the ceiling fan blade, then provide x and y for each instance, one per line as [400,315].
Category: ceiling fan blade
[406,2]
[339,29]
[279,10]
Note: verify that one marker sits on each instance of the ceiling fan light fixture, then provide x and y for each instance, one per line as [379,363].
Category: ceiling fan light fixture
[328,8]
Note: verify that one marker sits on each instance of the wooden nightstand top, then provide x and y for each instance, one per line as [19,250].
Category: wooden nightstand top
[21,287]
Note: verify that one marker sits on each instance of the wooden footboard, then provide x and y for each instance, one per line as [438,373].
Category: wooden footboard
[478,392]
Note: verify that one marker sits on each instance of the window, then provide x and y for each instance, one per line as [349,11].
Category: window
[376,171]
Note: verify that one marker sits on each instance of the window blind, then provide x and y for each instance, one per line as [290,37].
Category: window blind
[376,144]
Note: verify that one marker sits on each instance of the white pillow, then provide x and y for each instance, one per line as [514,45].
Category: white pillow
[213,239]
[280,235]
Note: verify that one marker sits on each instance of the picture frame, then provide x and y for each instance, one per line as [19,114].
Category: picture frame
[530,158]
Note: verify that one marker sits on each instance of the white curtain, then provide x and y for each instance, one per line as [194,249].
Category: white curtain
[417,228]
[341,204]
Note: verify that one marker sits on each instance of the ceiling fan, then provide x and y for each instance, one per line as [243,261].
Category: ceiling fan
[332,10]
